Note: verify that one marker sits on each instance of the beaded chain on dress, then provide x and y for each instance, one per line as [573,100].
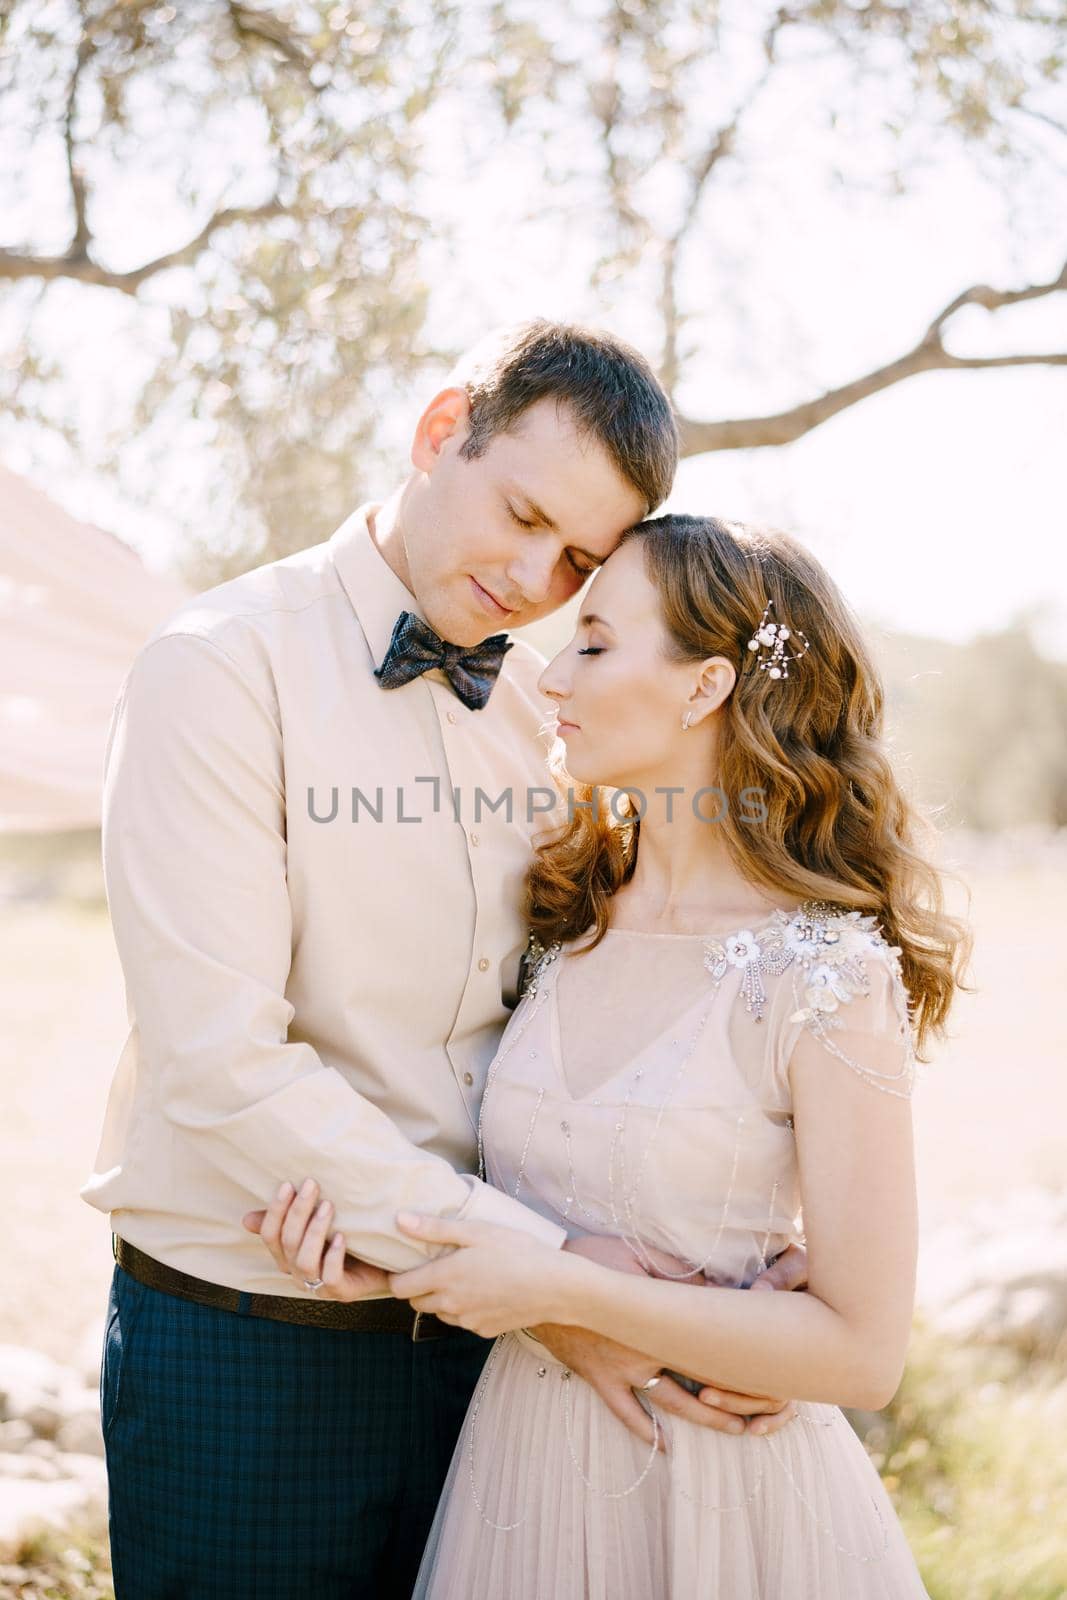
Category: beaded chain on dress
[825,953]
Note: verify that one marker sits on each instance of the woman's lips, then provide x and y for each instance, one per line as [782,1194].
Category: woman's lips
[488,602]
[563,728]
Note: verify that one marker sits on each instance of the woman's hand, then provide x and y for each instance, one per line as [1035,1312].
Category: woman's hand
[494,1280]
[294,1229]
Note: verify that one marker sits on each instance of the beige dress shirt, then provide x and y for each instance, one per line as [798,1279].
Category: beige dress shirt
[315,886]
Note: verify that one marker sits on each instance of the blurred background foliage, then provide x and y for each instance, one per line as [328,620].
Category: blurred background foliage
[262,200]
[272,191]
[982,727]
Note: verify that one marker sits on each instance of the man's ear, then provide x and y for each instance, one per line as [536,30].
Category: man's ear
[446,417]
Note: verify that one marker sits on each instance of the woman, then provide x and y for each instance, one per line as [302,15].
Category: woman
[734,966]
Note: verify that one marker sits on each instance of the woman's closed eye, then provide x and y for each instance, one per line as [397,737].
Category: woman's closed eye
[590,650]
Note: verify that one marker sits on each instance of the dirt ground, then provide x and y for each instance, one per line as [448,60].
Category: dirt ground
[989,1113]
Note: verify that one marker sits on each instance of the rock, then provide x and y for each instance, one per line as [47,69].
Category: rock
[43,1415]
[51,1474]
[29,1369]
[45,1448]
[28,1466]
[15,1434]
[89,1470]
[40,1490]
[80,1431]
[36,1390]
[51,1401]
[90,1351]
[28,1506]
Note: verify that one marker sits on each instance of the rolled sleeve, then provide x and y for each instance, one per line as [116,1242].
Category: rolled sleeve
[485,1204]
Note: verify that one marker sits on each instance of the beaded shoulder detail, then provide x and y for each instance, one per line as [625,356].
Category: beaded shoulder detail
[826,943]
[828,950]
[535,961]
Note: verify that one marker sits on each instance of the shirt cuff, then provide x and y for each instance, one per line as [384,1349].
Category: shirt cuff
[486,1204]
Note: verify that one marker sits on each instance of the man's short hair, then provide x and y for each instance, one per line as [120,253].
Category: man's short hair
[608,387]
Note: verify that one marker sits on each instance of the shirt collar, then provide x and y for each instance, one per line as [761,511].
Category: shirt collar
[377,594]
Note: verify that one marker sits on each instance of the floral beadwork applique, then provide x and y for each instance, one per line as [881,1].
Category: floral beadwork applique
[536,960]
[788,939]
[827,950]
[756,958]
[826,945]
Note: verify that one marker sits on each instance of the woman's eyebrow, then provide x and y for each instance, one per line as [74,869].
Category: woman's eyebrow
[590,618]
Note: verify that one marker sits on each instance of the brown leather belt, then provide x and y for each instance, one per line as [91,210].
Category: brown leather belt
[366,1316]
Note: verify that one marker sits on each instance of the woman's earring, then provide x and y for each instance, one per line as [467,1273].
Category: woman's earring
[686,720]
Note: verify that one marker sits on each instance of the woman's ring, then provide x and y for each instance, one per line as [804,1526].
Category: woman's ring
[652,1382]
[314,1283]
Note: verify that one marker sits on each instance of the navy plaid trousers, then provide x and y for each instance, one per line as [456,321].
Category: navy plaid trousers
[256,1460]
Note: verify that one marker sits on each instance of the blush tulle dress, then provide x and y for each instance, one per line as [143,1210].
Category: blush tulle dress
[641,1090]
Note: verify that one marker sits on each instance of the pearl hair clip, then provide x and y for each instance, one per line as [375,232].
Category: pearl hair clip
[773,636]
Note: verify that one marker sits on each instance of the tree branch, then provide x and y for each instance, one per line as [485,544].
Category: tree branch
[980,294]
[76,261]
[248,23]
[720,146]
[605,102]
[1041,116]
[83,269]
[79,244]
[929,355]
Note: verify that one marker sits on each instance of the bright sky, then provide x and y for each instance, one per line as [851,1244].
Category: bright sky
[938,505]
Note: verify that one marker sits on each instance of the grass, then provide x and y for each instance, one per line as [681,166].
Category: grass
[69,1565]
[971,1451]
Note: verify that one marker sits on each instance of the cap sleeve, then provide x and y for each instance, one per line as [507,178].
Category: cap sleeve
[850,998]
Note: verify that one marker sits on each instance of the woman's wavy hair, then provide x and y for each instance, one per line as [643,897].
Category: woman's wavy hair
[838,827]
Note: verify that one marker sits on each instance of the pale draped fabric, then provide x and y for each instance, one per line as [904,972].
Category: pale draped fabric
[76,604]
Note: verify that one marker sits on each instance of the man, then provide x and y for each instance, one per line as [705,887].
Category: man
[315,887]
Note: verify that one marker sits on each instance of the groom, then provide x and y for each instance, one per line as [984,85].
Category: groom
[322,782]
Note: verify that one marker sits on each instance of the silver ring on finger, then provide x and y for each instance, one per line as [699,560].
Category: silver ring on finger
[652,1382]
[314,1283]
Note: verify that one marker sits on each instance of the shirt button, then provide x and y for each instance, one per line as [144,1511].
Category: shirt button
[474,838]
[468,1079]
[483,965]
[451,716]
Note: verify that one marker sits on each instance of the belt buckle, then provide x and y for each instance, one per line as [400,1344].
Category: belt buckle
[417,1335]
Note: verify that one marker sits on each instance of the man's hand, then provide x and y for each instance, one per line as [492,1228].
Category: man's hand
[787,1271]
[294,1229]
[615,1371]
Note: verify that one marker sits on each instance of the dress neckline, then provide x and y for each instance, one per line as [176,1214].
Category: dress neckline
[774,917]
[593,1095]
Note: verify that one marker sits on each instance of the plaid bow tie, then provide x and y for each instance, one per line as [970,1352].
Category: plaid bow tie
[415,648]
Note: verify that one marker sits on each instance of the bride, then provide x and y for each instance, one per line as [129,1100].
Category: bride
[738,951]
